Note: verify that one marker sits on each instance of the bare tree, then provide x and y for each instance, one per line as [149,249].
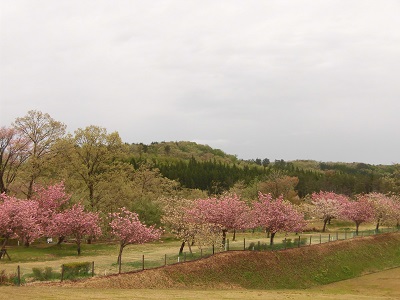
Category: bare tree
[13,153]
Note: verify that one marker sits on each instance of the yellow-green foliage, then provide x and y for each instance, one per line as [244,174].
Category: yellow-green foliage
[76,269]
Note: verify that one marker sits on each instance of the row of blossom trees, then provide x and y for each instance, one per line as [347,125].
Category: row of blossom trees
[372,207]
[49,214]
[204,221]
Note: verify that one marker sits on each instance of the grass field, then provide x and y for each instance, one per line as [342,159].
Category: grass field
[378,286]
[105,255]
[375,286]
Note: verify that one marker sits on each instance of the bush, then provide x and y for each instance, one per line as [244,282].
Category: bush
[45,274]
[312,229]
[78,269]
[10,279]
[289,242]
[252,246]
[259,246]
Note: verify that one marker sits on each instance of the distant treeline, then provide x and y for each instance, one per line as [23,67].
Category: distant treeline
[215,177]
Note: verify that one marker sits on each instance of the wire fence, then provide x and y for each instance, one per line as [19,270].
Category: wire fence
[76,270]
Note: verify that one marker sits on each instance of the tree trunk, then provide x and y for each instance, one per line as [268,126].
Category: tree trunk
[91,195]
[325,222]
[121,248]
[30,189]
[357,225]
[4,243]
[181,248]
[79,247]
[60,240]
[2,185]
[234,235]
[224,237]
[190,249]
[377,225]
[271,240]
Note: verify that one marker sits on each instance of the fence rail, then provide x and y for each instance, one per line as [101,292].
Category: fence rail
[303,240]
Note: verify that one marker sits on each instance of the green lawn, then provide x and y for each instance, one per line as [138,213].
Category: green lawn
[42,255]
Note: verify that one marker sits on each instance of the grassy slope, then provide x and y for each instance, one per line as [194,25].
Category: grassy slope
[290,269]
[382,285]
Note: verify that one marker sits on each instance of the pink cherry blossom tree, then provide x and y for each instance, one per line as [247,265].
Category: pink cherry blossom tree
[277,215]
[51,200]
[358,211]
[226,213]
[326,205]
[76,222]
[28,224]
[382,205]
[126,226]
[19,218]
[396,209]
[8,209]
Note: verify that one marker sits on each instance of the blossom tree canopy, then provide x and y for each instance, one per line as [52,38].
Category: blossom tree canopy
[358,211]
[76,222]
[174,218]
[19,218]
[126,226]
[277,215]
[227,213]
[51,198]
[383,207]
[396,210]
[326,205]
[50,201]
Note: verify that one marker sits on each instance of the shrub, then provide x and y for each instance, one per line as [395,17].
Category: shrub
[252,246]
[312,229]
[77,269]
[289,242]
[9,279]
[3,278]
[45,274]
[259,246]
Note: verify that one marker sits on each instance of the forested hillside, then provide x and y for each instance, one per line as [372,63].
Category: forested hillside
[202,167]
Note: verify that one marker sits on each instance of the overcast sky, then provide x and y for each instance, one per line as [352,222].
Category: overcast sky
[259,79]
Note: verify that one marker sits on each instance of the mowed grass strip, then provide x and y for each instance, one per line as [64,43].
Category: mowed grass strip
[381,285]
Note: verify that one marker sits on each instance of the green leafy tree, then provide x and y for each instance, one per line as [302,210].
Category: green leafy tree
[96,167]
[279,184]
[148,185]
[41,131]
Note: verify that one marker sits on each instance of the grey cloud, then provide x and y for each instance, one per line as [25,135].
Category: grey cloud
[278,79]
